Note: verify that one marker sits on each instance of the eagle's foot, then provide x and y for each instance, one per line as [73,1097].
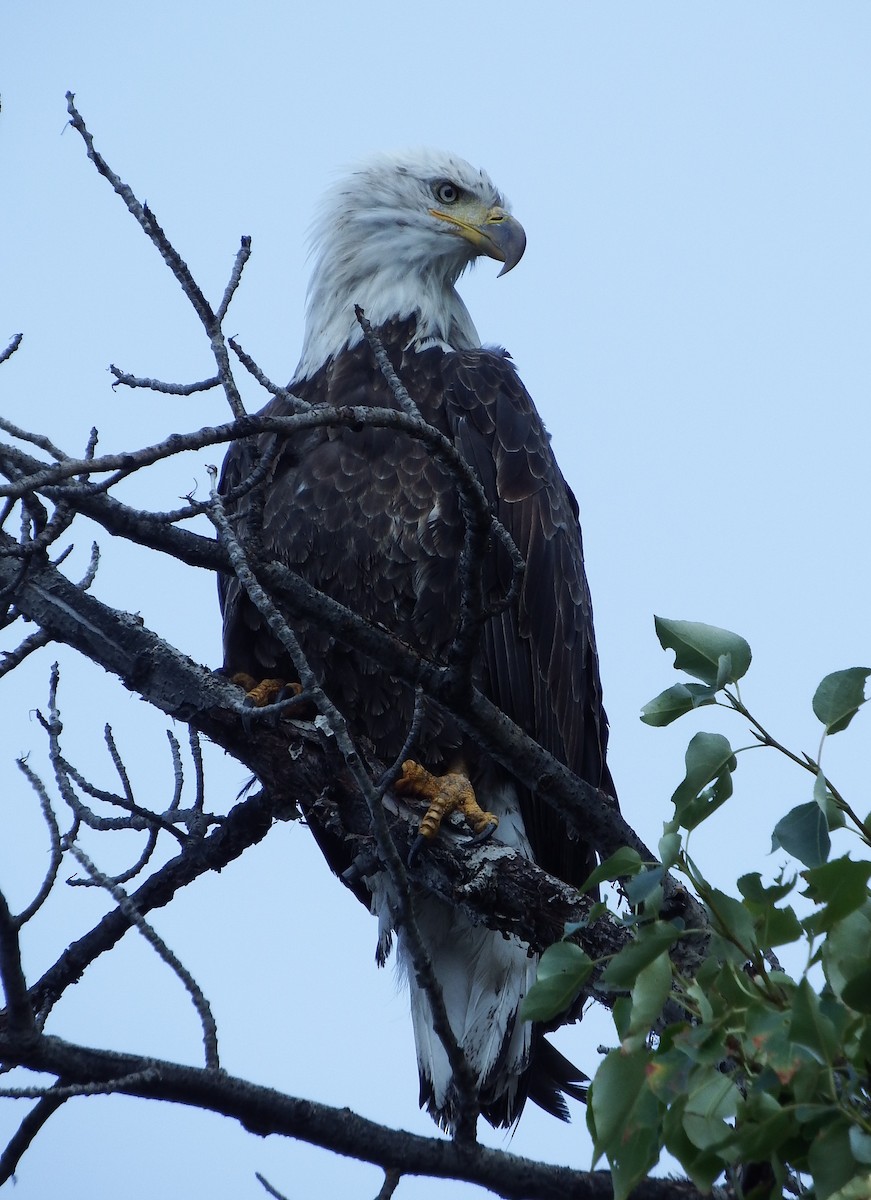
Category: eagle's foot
[444,795]
[260,692]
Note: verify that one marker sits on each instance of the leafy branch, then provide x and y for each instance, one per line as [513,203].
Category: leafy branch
[750,1071]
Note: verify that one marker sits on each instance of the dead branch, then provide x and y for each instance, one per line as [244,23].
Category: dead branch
[11,348]
[264,1111]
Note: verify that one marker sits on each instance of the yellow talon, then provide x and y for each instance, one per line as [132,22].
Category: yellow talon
[265,691]
[444,794]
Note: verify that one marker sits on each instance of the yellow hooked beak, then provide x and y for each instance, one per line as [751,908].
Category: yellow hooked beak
[498,234]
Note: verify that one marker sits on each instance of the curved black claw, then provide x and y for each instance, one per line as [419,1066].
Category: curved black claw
[248,709]
[416,846]
[484,835]
[281,706]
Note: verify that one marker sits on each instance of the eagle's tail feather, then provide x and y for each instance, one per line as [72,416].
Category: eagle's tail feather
[551,1077]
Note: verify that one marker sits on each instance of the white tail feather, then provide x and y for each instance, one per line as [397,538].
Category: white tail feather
[483,977]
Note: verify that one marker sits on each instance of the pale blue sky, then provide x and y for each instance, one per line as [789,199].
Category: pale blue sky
[691,317]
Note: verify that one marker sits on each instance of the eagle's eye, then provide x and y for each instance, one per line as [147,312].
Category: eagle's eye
[446,192]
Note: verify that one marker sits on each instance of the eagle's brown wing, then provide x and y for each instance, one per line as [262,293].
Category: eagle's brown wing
[540,660]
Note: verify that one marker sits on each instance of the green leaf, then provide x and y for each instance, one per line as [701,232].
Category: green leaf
[623,969]
[841,885]
[857,991]
[732,918]
[669,1074]
[702,1166]
[778,927]
[709,758]
[709,1104]
[649,993]
[589,918]
[847,950]
[623,1116]
[860,1144]
[809,1027]
[699,650]
[622,862]
[831,1159]
[675,701]
[642,886]
[761,1126]
[757,895]
[858,1188]
[803,833]
[669,848]
[835,818]
[839,697]
[562,971]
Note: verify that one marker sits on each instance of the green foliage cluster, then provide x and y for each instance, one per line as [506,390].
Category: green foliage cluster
[742,1063]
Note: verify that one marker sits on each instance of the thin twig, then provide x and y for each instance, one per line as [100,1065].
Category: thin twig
[56,855]
[93,440]
[197,756]
[385,366]
[177,770]
[265,382]
[11,348]
[140,818]
[34,439]
[156,385]
[242,256]
[146,219]
[211,321]
[105,1087]
[14,658]
[200,1003]
[264,1183]
[132,871]
[24,1135]
[118,763]
[93,566]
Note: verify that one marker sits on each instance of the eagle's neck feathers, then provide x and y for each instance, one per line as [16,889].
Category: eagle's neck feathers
[388,287]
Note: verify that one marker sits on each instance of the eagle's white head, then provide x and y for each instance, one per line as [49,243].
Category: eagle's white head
[393,237]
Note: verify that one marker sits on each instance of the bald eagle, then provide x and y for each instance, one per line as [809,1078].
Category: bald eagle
[372,519]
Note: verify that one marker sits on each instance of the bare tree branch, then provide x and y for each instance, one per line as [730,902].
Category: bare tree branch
[242,256]
[264,1111]
[56,856]
[21,1140]
[211,320]
[11,348]
[274,390]
[145,218]
[35,439]
[20,1011]
[200,1003]
[155,385]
